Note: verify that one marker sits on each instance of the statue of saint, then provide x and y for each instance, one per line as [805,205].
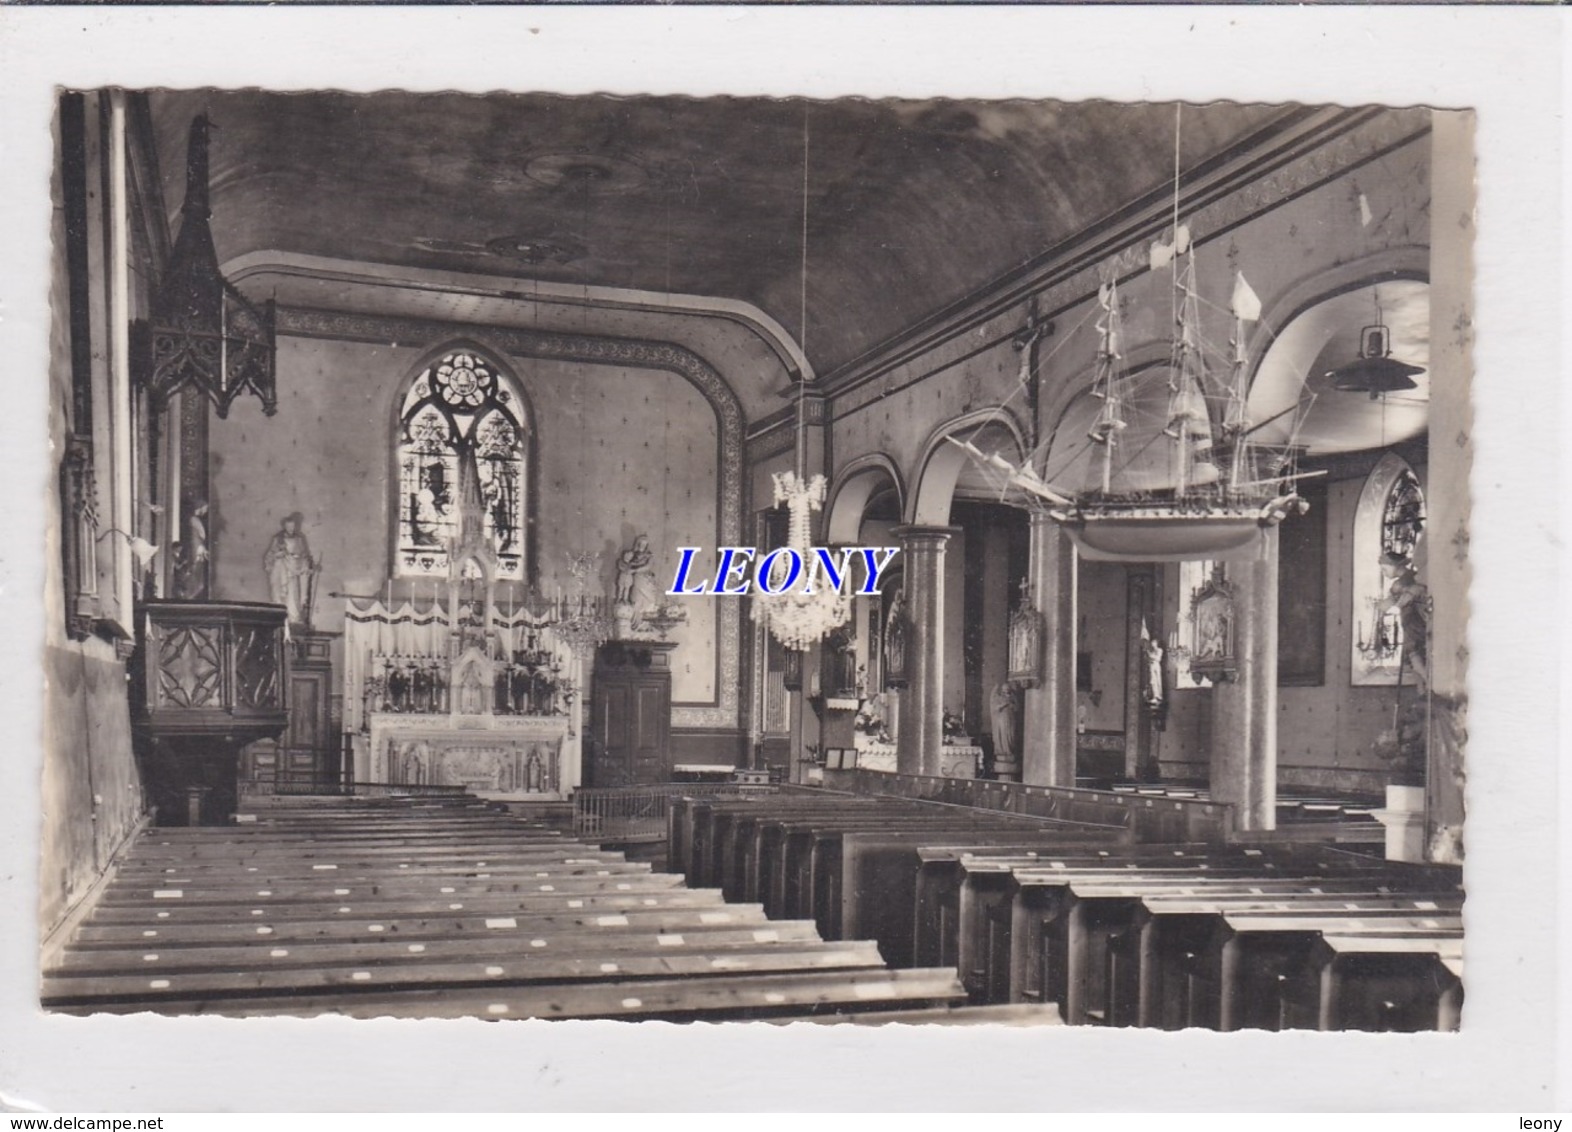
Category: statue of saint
[1005,699]
[635,579]
[1411,599]
[291,570]
[192,556]
[895,642]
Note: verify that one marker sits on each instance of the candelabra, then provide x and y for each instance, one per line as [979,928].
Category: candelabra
[1384,640]
[582,622]
[583,625]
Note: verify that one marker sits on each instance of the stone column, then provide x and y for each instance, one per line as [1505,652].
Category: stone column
[1446,537]
[1244,710]
[922,700]
[1048,726]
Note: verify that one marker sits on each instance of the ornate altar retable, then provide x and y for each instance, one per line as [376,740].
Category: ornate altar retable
[462,693]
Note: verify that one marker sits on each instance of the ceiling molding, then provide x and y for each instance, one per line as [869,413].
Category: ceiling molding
[329,269]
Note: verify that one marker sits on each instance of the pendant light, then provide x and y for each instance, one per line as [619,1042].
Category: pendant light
[801,617]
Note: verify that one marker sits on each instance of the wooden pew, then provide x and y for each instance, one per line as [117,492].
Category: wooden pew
[1084,931]
[988,908]
[706,823]
[869,887]
[183,975]
[808,855]
[943,905]
[1196,969]
[1388,981]
[714,999]
[335,911]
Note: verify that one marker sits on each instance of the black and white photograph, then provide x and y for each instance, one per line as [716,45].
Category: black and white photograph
[873,561]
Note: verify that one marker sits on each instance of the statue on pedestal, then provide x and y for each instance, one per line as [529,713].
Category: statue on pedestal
[1005,703]
[291,570]
[636,591]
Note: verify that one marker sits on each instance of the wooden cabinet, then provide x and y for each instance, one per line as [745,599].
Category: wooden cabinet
[630,714]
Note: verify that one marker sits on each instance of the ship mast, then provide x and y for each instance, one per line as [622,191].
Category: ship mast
[1106,384]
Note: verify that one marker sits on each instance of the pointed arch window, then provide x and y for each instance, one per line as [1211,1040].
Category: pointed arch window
[1389,519]
[458,410]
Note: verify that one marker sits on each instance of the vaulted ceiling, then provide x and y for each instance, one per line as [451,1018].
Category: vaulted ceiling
[911,206]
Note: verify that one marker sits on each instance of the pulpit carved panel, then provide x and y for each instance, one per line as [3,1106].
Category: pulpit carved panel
[257,667]
[190,667]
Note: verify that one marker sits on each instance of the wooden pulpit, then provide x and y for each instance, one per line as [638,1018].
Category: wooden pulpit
[207,679]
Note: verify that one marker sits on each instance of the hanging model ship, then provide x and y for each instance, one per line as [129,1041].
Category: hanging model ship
[1193,485]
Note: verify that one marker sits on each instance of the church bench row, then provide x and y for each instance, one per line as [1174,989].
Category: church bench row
[1149,818]
[265,919]
[232,892]
[718,998]
[168,974]
[1110,953]
[1099,941]
[416,906]
[999,1014]
[715,842]
[713,939]
[698,827]
[465,869]
[992,886]
[456,919]
[795,860]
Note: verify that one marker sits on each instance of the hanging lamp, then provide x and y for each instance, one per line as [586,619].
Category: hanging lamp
[800,618]
[1375,371]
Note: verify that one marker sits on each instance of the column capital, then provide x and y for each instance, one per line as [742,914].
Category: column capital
[916,535]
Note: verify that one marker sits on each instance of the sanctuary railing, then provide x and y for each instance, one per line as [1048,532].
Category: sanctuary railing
[638,813]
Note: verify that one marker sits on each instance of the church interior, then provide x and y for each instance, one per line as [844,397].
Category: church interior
[382,423]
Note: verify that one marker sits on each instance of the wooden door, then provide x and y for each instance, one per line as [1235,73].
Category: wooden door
[306,742]
[631,715]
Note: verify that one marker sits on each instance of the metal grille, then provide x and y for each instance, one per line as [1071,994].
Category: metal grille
[638,813]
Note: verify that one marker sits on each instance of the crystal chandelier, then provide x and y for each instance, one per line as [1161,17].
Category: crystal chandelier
[800,618]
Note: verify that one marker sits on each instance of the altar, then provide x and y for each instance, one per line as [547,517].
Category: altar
[492,755]
[459,691]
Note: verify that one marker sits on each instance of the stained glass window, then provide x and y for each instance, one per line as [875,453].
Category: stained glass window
[461,411]
[1388,519]
[1403,517]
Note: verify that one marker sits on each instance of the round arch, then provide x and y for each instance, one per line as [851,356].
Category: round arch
[855,484]
[1410,262]
[1312,330]
[942,464]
